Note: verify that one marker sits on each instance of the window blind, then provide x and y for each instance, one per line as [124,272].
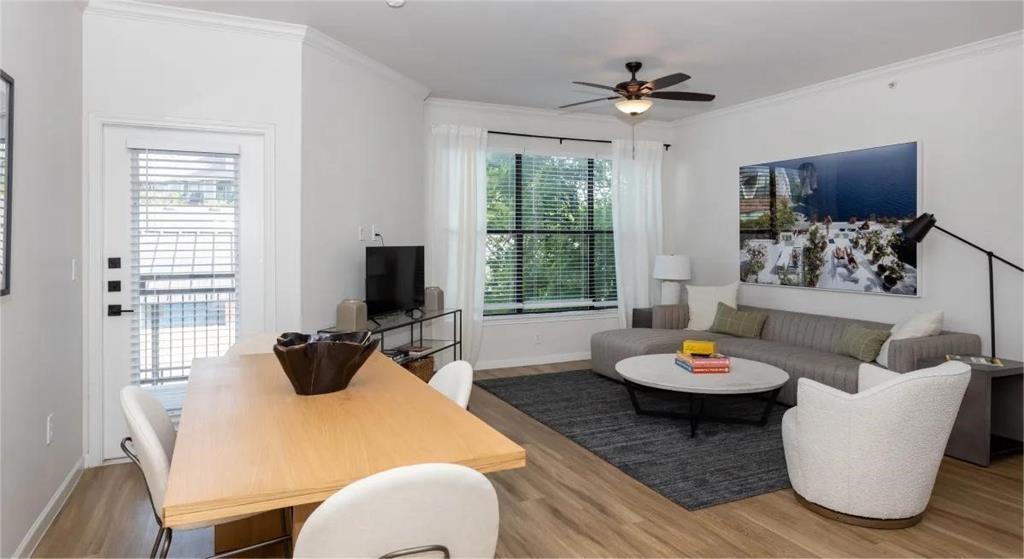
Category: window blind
[4,189]
[549,234]
[184,242]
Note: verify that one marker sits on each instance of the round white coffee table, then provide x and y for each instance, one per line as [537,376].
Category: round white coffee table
[660,373]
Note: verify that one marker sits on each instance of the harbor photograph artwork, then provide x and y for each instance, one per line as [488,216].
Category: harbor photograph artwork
[832,221]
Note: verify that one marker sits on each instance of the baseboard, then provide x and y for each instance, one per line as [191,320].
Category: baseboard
[42,523]
[533,360]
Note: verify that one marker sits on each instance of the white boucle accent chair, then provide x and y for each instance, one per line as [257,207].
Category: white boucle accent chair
[871,458]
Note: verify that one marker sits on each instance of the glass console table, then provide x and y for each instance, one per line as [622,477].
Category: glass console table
[379,326]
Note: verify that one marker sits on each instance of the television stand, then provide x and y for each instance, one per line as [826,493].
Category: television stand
[406,328]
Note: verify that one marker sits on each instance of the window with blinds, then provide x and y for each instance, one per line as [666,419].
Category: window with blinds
[184,239]
[549,234]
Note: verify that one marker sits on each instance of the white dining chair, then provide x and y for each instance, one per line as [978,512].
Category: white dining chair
[150,445]
[441,510]
[454,380]
[260,342]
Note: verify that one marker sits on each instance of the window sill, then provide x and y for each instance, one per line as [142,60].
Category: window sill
[568,316]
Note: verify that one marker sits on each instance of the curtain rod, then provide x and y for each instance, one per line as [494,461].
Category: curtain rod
[559,138]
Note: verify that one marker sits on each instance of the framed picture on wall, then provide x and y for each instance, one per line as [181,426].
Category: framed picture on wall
[6,158]
[832,222]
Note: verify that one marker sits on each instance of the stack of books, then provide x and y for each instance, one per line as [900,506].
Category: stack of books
[413,351]
[700,365]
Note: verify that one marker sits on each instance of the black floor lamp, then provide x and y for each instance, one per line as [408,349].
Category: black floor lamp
[916,231]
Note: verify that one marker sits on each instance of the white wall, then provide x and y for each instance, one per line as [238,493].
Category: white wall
[362,164]
[514,341]
[964,107]
[40,350]
[153,62]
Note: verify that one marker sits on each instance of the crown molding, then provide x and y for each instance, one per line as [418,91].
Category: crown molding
[309,36]
[316,39]
[517,110]
[143,11]
[1014,39]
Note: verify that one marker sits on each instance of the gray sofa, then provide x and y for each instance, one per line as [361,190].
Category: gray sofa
[803,345]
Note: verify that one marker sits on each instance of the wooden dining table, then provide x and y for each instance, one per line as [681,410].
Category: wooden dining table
[248,444]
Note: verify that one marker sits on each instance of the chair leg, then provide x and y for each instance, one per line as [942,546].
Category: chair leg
[156,542]
[167,544]
[286,521]
[247,548]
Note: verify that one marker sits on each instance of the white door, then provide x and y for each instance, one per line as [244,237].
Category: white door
[182,258]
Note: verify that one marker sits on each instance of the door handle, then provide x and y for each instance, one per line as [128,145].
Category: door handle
[116,310]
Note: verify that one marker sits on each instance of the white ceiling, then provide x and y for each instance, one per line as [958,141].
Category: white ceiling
[527,53]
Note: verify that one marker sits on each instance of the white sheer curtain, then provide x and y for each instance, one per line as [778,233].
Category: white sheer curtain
[636,219]
[457,224]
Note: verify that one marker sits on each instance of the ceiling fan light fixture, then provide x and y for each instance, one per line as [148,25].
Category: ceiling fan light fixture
[634,106]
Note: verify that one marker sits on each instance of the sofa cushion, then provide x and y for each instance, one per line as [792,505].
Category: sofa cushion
[609,347]
[862,343]
[917,326]
[834,370]
[744,324]
[808,330]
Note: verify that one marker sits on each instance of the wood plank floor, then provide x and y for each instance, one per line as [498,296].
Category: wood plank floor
[569,503]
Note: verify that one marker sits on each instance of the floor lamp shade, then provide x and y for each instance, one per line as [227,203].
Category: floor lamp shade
[671,269]
[917,229]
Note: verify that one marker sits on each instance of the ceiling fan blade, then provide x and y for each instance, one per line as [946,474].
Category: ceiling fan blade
[597,85]
[590,101]
[668,81]
[682,96]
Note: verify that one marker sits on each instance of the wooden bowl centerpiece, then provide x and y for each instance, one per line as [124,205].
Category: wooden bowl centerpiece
[323,363]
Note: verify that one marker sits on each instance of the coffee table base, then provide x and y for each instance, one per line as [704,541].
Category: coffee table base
[696,406]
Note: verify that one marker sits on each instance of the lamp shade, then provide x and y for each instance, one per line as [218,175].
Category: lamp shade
[671,267]
[917,229]
[633,106]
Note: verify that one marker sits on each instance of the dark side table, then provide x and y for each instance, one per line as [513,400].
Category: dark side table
[991,418]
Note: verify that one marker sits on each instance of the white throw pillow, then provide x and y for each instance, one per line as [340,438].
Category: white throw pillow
[917,326]
[703,302]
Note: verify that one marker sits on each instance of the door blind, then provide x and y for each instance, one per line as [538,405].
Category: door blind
[4,195]
[549,234]
[184,240]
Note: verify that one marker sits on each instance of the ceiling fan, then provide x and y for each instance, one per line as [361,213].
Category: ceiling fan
[633,95]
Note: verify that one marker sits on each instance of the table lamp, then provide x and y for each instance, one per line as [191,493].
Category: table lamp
[917,230]
[671,269]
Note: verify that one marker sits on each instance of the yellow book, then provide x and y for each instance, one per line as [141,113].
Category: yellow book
[698,347]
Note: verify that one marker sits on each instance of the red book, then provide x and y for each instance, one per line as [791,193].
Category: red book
[715,360]
[717,371]
[699,370]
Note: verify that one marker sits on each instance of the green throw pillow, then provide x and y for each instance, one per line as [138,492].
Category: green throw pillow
[745,324]
[862,343]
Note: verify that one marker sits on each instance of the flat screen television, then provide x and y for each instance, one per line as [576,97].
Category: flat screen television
[394,279]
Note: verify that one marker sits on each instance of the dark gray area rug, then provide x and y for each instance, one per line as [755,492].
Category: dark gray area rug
[722,463]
